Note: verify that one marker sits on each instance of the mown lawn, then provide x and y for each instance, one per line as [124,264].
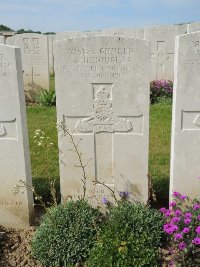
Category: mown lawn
[44,118]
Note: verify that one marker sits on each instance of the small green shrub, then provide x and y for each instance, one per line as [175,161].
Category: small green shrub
[66,235]
[130,237]
[47,97]
[161,91]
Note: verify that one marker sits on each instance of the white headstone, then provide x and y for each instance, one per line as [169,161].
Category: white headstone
[35,59]
[15,211]
[162,40]
[2,40]
[51,53]
[126,32]
[193,27]
[102,86]
[74,34]
[185,148]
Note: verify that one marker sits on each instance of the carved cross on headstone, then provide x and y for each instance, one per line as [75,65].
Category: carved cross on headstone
[103,124]
[32,75]
[161,57]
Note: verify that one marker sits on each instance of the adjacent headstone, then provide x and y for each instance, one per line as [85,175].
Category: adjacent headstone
[15,211]
[162,40]
[124,32]
[2,40]
[35,59]
[102,86]
[51,53]
[74,34]
[193,27]
[137,33]
[185,148]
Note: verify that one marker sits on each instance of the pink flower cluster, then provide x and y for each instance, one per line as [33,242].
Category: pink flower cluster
[182,221]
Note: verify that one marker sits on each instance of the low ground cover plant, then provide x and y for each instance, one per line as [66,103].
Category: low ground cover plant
[46,97]
[182,227]
[131,236]
[161,91]
[67,234]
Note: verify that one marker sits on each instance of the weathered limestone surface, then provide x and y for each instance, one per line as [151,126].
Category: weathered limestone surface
[102,86]
[35,59]
[15,211]
[51,53]
[193,27]
[2,40]
[124,32]
[185,147]
[162,39]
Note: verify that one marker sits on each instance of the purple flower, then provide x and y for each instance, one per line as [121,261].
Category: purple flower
[198,230]
[163,210]
[172,204]
[188,215]
[196,206]
[167,213]
[182,245]
[175,194]
[175,228]
[124,194]
[175,219]
[178,212]
[104,200]
[187,221]
[185,230]
[198,217]
[196,241]
[183,197]
[178,236]
[170,228]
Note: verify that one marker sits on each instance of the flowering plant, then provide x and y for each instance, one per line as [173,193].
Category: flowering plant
[161,89]
[182,227]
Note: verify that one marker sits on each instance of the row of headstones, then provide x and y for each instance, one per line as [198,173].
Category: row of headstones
[107,106]
[38,50]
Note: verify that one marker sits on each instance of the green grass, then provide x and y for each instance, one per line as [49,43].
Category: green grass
[159,149]
[44,118]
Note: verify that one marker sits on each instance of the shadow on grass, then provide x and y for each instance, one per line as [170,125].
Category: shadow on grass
[42,187]
[161,188]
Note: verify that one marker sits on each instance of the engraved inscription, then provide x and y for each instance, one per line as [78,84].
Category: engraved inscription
[103,62]
[161,57]
[4,67]
[197,46]
[103,119]
[3,62]
[190,120]
[197,121]
[13,203]
[2,130]
[8,130]
[31,46]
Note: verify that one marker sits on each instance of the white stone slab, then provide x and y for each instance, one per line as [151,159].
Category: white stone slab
[74,34]
[35,59]
[51,53]
[102,86]
[185,148]
[15,211]
[126,32]
[162,40]
[193,27]
[2,40]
